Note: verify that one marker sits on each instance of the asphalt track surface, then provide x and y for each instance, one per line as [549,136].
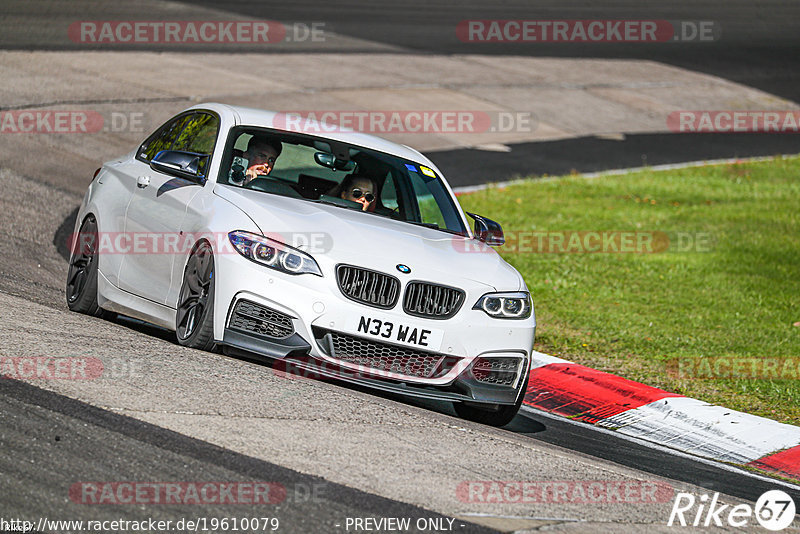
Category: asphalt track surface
[63,429]
[53,435]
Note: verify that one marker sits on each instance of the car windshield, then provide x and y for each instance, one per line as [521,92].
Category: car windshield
[332,172]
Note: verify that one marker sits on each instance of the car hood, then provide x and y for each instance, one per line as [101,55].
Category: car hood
[334,235]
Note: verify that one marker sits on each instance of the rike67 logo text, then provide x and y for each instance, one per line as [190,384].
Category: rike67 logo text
[774,510]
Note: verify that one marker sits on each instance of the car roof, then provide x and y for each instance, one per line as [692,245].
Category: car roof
[244,116]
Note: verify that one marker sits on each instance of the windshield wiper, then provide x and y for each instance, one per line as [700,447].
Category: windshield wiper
[436,227]
[329,203]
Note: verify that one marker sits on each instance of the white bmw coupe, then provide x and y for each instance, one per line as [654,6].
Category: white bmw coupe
[326,251]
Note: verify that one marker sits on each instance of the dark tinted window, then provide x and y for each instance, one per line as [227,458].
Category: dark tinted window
[198,134]
[163,139]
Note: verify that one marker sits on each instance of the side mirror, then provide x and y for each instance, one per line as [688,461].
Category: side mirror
[488,231]
[187,165]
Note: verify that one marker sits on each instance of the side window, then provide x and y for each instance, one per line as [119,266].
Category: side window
[198,134]
[163,138]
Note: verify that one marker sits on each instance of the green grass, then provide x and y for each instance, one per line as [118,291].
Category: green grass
[631,314]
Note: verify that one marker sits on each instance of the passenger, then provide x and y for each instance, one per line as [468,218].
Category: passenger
[358,188]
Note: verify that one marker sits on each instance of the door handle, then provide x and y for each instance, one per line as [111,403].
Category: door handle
[142,182]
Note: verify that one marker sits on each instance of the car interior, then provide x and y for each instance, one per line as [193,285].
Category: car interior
[313,169]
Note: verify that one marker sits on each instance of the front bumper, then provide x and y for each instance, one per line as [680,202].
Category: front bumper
[317,311]
[292,359]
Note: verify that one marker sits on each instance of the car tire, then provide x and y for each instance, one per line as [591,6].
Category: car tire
[81,288]
[500,417]
[194,319]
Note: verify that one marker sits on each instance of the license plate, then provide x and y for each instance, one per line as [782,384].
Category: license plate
[391,331]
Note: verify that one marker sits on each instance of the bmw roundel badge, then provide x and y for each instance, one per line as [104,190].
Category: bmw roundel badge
[405,269]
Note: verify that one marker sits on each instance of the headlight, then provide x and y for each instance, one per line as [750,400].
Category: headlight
[505,305]
[273,254]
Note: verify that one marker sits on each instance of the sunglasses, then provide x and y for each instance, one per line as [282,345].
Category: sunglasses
[369,197]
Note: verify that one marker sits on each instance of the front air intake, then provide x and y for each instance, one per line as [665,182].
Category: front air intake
[252,318]
[368,287]
[433,301]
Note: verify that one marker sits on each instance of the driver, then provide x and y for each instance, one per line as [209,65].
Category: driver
[261,154]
